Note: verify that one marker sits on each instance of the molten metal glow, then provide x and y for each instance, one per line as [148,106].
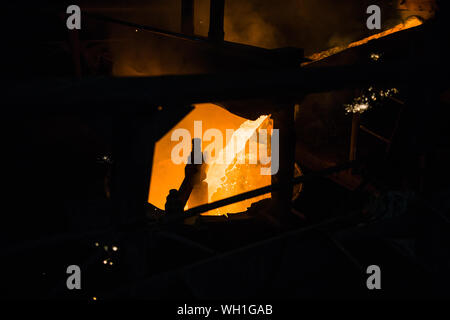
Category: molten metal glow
[410,23]
[224,180]
[236,174]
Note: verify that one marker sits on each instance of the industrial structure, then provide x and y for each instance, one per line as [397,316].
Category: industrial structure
[362,180]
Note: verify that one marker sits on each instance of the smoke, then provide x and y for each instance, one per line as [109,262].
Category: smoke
[313,25]
[310,24]
[246,23]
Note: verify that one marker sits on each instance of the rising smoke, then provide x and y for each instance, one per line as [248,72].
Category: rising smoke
[313,25]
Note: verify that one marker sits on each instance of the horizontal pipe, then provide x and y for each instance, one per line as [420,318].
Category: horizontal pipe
[221,256]
[257,192]
[133,94]
[374,134]
[142,27]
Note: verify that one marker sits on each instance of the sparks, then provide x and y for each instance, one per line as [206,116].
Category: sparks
[375,56]
[365,101]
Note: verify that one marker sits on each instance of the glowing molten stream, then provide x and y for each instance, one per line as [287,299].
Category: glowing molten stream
[410,23]
[237,167]
[234,166]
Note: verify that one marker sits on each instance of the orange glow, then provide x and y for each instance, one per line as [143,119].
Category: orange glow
[224,180]
[410,23]
[238,175]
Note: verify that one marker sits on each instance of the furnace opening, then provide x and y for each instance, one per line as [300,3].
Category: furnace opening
[240,172]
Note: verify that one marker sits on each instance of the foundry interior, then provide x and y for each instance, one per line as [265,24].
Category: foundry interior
[357,118]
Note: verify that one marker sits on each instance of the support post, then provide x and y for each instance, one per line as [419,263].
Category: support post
[283,120]
[132,158]
[187,17]
[216,18]
[354,136]
[75,47]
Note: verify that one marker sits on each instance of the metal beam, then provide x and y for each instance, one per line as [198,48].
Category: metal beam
[132,94]
[257,192]
[187,17]
[216,21]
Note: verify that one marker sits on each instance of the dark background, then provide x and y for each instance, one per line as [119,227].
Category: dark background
[54,171]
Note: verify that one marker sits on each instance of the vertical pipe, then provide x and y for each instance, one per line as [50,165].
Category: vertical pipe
[75,46]
[187,17]
[132,155]
[354,136]
[216,17]
[283,120]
